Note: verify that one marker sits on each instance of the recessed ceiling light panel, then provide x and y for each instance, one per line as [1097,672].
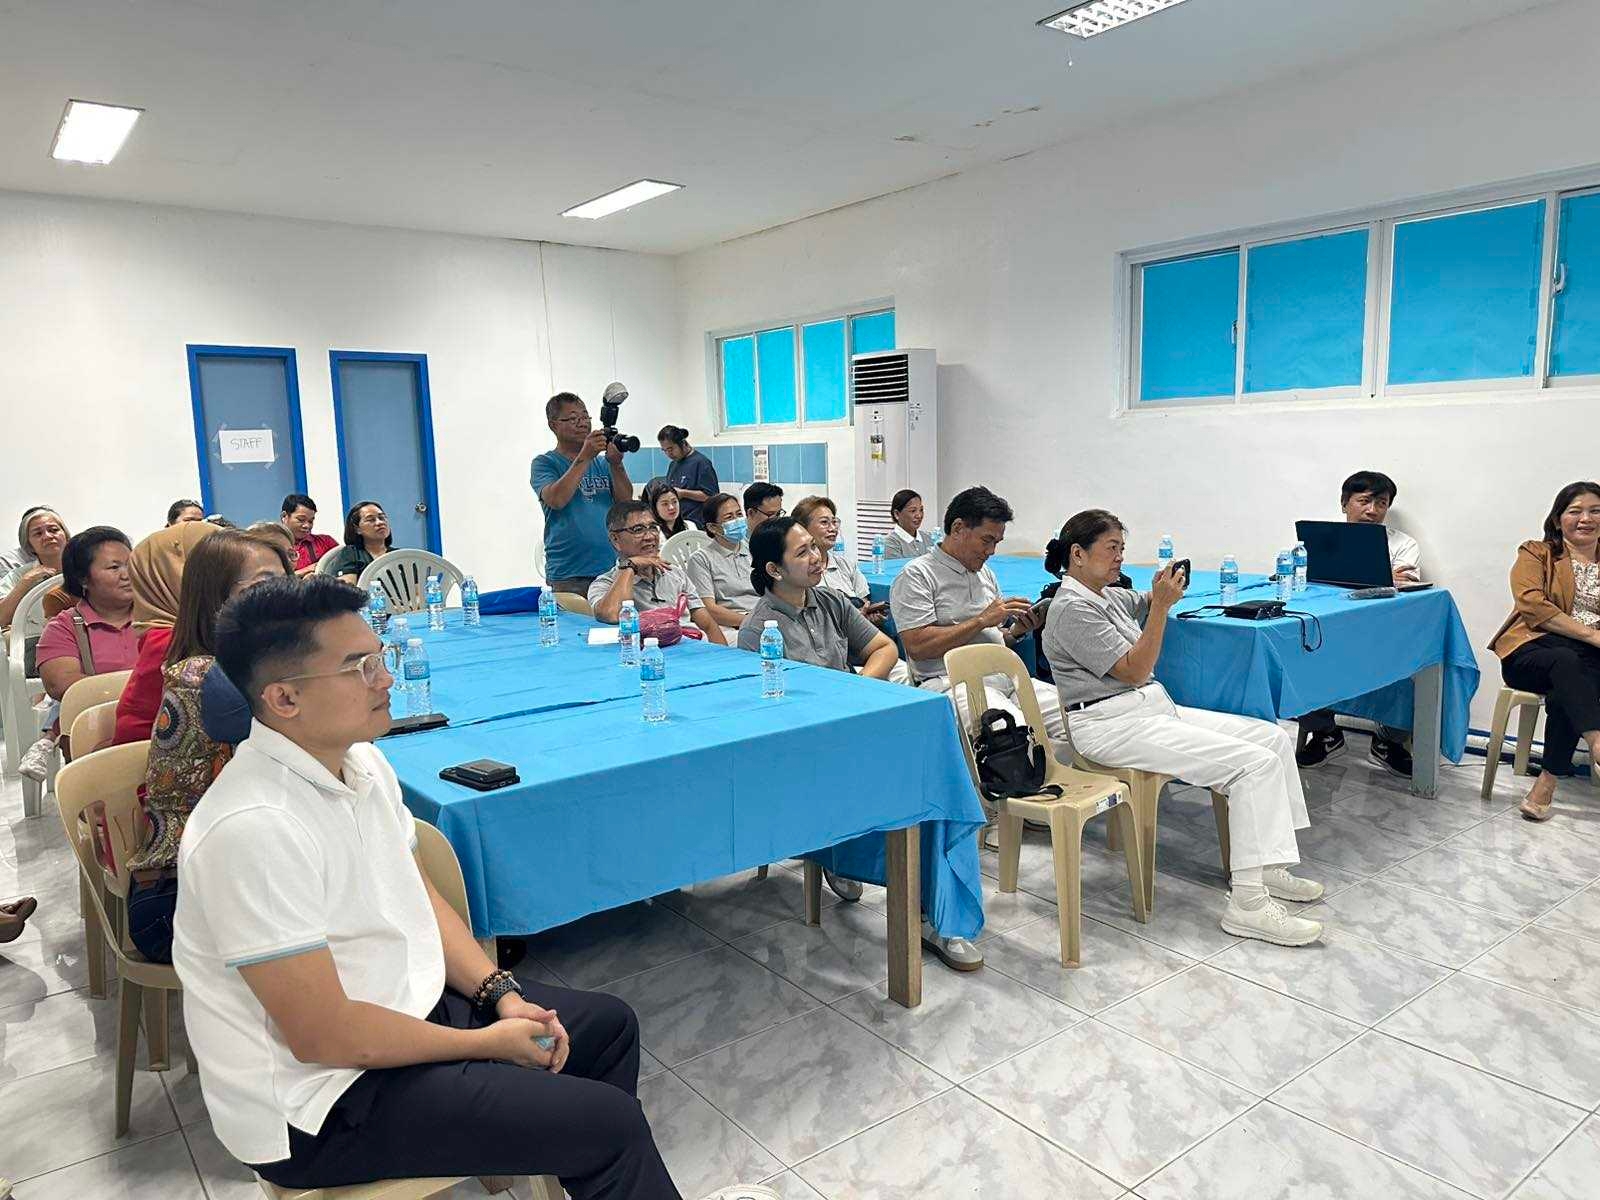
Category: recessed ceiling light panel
[624,197]
[1096,16]
[92,133]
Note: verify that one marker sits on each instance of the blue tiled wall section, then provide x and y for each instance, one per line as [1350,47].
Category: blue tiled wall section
[787,462]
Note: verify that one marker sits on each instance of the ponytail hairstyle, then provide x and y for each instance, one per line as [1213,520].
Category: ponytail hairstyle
[767,546]
[1082,529]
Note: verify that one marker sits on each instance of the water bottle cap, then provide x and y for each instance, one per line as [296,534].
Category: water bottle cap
[769,625]
[652,643]
[417,642]
[627,604]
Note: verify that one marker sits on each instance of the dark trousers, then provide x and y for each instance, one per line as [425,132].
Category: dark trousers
[150,909]
[1566,672]
[493,1118]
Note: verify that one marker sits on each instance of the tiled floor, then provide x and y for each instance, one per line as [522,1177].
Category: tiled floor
[1443,1042]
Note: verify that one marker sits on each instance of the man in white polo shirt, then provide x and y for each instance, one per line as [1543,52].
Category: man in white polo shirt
[347,1025]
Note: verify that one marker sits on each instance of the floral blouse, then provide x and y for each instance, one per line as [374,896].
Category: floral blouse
[183,762]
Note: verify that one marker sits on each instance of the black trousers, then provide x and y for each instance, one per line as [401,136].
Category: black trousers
[494,1118]
[150,909]
[1567,673]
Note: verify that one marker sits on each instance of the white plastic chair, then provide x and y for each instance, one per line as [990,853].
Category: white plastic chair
[1527,706]
[23,724]
[680,547]
[325,563]
[404,576]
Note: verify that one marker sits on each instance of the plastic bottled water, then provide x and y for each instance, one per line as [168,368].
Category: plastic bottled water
[433,593]
[938,536]
[419,681]
[653,681]
[470,614]
[1300,566]
[771,661]
[1164,552]
[1230,579]
[378,609]
[877,555]
[628,634]
[841,544]
[394,658]
[549,633]
[1285,575]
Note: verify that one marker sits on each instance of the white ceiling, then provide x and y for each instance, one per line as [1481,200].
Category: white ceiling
[491,116]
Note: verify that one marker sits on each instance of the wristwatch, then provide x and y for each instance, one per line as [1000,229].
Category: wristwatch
[495,987]
[624,564]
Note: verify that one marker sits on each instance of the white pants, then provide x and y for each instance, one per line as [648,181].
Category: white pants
[1000,694]
[1248,760]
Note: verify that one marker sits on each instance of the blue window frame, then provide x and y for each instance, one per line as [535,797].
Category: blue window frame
[1189,327]
[795,375]
[245,389]
[1465,300]
[1575,337]
[1306,313]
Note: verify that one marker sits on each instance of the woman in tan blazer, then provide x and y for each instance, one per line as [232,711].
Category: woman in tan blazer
[1550,643]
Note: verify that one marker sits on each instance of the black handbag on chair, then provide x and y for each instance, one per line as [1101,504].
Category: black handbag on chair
[1010,763]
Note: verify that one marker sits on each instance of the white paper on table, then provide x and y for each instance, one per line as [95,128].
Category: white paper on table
[245,446]
[604,635]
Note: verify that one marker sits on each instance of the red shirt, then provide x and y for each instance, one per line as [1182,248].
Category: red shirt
[309,552]
[141,695]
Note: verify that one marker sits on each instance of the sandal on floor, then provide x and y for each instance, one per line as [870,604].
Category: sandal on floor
[1537,812]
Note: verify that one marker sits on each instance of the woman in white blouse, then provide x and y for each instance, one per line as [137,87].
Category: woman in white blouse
[819,516]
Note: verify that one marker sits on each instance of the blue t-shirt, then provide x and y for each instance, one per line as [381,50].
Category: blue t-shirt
[697,473]
[575,538]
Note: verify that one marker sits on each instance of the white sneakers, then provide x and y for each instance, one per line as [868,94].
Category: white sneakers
[1269,921]
[36,761]
[1283,886]
[745,1191]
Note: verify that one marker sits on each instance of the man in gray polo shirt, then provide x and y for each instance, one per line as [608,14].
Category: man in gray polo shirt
[641,574]
[948,597]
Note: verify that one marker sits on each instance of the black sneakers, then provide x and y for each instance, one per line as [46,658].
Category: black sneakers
[1391,756]
[1318,746]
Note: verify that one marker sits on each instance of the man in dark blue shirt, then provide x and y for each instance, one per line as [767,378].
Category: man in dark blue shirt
[691,472]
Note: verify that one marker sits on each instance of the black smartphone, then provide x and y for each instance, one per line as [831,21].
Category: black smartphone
[1413,587]
[1182,565]
[417,724]
[482,774]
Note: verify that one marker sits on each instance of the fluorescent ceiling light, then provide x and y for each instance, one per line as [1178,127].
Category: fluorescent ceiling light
[92,133]
[623,197]
[1096,16]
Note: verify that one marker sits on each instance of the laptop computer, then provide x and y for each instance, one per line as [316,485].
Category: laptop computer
[1346,554]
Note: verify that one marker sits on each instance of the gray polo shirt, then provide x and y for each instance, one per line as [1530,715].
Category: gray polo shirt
[723,575]
[937,590]
[897,543]
[660,592]
[1085,635]
[827,632]
[841,574]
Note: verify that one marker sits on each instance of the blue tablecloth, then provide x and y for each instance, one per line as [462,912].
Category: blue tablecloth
[499,669]
[611,810]
[1370,650]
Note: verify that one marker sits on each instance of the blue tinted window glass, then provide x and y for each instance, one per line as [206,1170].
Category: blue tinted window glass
[824,358]
[1186,334]
[739,382]
[1306,313]
[775,360]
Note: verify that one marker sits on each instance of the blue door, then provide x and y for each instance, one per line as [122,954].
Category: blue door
[246,429]
[384,424]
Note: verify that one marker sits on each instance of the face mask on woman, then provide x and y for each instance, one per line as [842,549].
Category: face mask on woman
[735,530]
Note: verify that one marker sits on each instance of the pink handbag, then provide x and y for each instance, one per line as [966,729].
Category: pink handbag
[666,624]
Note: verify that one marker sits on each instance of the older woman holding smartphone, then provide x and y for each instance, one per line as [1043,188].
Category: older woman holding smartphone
[1102,642]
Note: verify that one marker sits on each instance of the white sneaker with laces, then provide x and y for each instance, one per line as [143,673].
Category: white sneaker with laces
[1283,886]
[1270,922]
[35,762]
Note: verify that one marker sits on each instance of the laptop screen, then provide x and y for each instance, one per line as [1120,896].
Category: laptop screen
[1346,554]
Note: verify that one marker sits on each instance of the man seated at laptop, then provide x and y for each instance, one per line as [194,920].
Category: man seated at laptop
[348,1026]
[1365,498]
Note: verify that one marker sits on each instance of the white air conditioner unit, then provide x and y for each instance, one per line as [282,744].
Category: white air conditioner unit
[894,394]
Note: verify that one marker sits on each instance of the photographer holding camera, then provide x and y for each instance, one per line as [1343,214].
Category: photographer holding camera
[576,488]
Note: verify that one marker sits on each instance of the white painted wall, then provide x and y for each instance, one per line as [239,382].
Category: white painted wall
[98,300]
[1009,272]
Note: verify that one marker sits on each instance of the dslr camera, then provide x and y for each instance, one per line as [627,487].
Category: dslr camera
[610,408]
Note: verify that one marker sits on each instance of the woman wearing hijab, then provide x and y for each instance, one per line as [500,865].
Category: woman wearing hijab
[156,570]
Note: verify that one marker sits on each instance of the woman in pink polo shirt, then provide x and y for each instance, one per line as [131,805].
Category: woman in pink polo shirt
[95,635]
